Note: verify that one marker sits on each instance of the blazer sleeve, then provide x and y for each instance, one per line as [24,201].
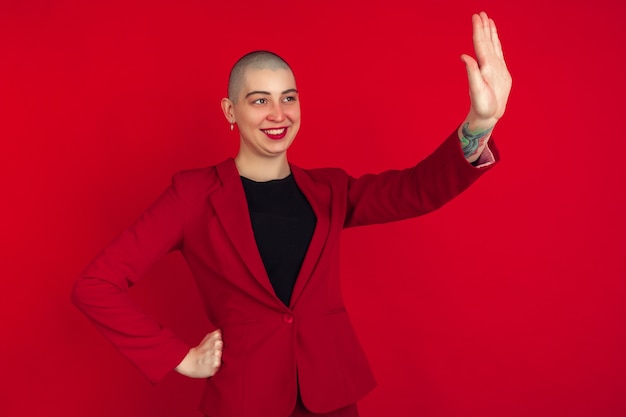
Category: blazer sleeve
[101,291]
[400,194]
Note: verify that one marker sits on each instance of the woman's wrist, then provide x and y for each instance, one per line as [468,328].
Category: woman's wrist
[474,133]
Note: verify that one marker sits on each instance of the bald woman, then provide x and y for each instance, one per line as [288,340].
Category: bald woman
[261,238]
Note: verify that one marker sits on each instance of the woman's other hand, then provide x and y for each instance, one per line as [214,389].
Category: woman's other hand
[204,360]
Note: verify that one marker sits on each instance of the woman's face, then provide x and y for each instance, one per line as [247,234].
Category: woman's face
[267,112]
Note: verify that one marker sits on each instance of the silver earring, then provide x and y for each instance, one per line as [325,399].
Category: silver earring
[232,126]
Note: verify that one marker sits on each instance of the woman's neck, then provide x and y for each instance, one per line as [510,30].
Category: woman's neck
[263,169]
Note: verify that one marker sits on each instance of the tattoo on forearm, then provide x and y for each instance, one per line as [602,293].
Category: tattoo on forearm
[471,141]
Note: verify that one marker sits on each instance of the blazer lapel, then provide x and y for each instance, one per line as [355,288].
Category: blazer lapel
[318,196]
[231,207]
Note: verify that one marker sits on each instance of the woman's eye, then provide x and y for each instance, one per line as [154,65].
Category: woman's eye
[290,98]
[260,101]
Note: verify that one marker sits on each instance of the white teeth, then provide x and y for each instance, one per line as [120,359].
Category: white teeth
[274,131]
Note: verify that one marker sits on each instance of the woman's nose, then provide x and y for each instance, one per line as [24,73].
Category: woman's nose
[276,113]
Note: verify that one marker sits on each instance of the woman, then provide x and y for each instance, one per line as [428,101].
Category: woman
[261,237]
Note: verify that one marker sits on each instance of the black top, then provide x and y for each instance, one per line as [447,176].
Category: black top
[283,224]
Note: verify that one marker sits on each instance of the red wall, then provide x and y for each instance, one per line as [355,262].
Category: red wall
[507,302]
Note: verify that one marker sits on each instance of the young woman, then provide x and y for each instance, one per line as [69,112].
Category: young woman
[261,237]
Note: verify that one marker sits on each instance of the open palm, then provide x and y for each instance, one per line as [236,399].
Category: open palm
[489,78]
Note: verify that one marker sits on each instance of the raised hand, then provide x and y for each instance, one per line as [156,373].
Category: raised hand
[489,87]
[204,360]
[489,78]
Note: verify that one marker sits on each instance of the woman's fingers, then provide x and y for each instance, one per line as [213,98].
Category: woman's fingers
[218,348]
[497,46]
[486,41]
[209,355]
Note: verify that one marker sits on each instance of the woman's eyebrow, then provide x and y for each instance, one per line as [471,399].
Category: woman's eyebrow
[267,93]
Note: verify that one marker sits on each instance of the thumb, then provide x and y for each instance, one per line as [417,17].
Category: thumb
[473,72]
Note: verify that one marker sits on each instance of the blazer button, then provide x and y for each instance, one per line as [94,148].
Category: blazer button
[288,318]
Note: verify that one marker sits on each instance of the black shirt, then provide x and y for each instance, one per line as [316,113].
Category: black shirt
[283,224]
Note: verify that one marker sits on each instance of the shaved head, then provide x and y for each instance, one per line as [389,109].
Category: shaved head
[254,60]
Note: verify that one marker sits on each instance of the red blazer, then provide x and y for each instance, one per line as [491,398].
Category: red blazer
[269,348]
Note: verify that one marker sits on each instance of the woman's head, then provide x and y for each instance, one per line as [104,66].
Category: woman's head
[263,102]
[253,60]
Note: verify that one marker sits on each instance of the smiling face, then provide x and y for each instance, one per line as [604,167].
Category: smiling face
[266,111]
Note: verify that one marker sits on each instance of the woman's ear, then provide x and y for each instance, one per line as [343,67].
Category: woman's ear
[228,109]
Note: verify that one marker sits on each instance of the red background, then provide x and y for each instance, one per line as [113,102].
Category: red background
[507,302]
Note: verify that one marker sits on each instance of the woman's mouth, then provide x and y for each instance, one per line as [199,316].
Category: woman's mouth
[275,134]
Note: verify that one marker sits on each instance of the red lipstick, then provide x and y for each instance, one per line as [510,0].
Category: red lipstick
[275,134]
